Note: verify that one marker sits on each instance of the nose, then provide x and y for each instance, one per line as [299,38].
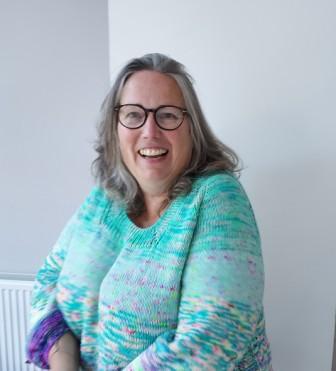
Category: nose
[150,128]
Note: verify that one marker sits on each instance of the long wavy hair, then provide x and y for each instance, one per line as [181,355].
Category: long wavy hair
[208,152]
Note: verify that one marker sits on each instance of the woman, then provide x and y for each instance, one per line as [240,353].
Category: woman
[160,268]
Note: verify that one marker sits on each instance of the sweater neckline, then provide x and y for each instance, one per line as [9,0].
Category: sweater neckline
[161,222]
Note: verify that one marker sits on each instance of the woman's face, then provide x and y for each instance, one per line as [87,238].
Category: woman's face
[154,174]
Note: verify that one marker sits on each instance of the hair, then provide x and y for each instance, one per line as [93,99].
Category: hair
[208,152]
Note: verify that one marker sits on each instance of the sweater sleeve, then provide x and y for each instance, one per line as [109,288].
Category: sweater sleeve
[47,324]
[222,289]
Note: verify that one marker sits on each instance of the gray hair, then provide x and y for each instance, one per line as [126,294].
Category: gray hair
[208,153]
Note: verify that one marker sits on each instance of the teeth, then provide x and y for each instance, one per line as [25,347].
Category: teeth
[152,151]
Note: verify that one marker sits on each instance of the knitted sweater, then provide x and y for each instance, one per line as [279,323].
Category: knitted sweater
[183,294]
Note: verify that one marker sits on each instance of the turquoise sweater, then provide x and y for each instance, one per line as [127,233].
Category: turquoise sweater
[183,294]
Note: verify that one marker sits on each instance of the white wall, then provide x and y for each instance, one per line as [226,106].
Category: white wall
[54,74]
[265,72]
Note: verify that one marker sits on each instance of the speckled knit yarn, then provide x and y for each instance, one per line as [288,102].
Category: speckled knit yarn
[183,294]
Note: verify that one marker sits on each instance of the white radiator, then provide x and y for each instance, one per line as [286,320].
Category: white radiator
[14,321]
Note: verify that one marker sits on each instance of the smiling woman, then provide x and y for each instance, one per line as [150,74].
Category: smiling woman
[161,267]
[155,156]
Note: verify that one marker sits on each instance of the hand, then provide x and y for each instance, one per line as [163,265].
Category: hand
[64,355]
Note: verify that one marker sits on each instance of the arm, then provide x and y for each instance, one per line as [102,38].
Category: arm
[47,322]
[222,289]
[64,355]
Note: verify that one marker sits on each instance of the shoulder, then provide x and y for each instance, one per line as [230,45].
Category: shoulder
[219,183]
[223,196]
[95,204]
[96,197]
[226,219]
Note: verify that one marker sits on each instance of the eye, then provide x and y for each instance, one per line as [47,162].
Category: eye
[130,114]
[167,116]
[133,115]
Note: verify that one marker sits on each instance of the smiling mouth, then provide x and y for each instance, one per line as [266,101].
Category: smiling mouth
[152,152]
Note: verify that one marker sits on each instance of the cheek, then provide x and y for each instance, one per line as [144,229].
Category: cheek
[126,139]
[189,152]
[183,146]
[186,138]
[125,148]
[188,148]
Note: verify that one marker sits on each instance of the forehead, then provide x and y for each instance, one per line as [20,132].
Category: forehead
[151,87]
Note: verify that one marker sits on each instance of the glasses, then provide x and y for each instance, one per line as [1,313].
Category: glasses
[133,116]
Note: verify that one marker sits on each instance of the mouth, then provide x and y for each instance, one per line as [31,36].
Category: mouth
[152,152]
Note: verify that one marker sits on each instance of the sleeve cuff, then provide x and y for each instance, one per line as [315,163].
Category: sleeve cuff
[43,337]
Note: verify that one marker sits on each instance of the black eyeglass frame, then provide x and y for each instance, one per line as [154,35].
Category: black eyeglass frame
[147,110]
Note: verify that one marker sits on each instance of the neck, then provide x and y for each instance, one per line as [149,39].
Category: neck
[154,206]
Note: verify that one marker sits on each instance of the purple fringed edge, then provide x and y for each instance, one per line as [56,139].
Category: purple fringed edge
[43,337]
